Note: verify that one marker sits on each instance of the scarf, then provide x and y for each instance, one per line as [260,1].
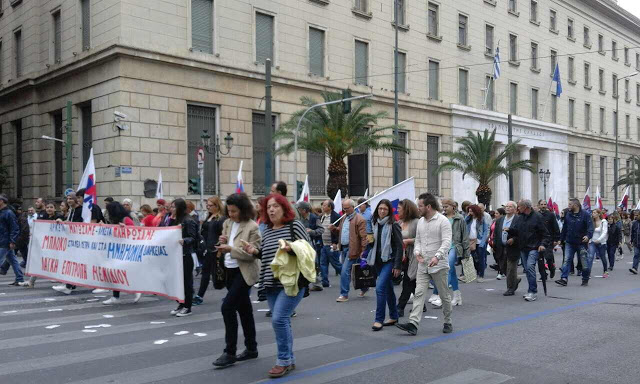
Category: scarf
[385,242]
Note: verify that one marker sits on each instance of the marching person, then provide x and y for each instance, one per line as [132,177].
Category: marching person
[432,245]
[507,248]
[9,233]
[179,216]
[49,214]
[239,235]
[386,256]
[328,255]
[478,229]
[352,237]
[635,243]
[576,233]
[211,230]
[21,245]
[598,243]
[162,216]
[74,215]
[147,215]
[550,222]
[532,237]
[310,221]
[614,240]
[409,217]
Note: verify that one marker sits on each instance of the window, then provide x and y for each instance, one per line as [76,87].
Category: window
[637,60]
[554,60]
[402,12]
[626,56]
[513,47]
[57,37]
[87,133]
[614,50]
[601,44]
[587,171]
[264,38]
[433,179]
[361,6]
[534,11]
[86,24]
[17,35]
[602,122]
[199,119]
[587,117]
[553,20]
[402,157]
[554,109]
[572,69]
[463,86]
[317,171]
[513,5]
[434,80]
[358,171]
[402,72]
[638,127]
[638,93]
[316,52]
[586,36]
[264,160]
[534,103]
[601,80]
[462,30]
[362,63]
[570,30]
[17,126]
[614,85]
[432,22]
[513,98]
[534,55]
[627,125]
[202,26]
[627,95]
[57,155]
[603,172]
[572,114]
[488,39]
[2,72]
[572,175]
[490,93]
[587,74]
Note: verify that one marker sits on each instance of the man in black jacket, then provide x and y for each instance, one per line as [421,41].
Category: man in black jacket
[506,247]
[532,237]
[551,224]
[328,238]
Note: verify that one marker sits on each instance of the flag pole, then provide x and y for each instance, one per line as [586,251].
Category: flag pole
[544,110]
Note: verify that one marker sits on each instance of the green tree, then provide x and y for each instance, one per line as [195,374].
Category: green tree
[478,159]
[629,175]
[330,131]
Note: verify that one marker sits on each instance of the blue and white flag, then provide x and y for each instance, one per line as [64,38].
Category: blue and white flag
[556,78]
[403,190]
[88,182]
[496,64]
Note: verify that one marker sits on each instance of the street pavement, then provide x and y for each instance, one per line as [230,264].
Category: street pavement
[574,335]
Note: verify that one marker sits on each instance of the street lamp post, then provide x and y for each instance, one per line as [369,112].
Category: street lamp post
[217,150]
[544,177]
[615,132]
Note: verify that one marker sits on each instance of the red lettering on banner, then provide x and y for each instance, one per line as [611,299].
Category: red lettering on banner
[80,229]
[50,265]
[133,233]
[73,269]
[108,275]
[54,243]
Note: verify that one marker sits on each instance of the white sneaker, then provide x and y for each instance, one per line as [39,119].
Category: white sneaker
[184,312]
[531,297]
[457,298]
[175,311]
[433,298]
[437,303]
[27,284]
[500,276]
[137,298]
[480,279]
[110,301]
[431,285]
[99,290]
[62,289]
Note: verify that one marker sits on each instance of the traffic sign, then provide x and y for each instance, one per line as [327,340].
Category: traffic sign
[200,164]
[200,154]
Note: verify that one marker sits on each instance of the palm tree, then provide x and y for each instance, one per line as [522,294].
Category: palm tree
[631,176]
[476,158]
[330,131]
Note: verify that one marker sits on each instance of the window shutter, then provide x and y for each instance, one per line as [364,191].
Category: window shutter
[264,38]
[433,179]
[18,53]
[86,25]
[57,39]
[316,51]
[317,170]
[261,151]
[362,58]
[402,75]
[202,25]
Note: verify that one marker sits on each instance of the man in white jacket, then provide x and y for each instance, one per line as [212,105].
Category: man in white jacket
[431,248]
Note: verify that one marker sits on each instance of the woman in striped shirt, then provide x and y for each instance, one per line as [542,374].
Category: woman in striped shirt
[280,222]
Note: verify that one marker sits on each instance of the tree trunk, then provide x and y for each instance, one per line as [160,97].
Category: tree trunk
[484,195]
[337,178]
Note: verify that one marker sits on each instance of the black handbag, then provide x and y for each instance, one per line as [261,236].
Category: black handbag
[363,277]
[220,272]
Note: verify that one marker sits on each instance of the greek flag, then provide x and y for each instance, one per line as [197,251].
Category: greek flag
[496,64]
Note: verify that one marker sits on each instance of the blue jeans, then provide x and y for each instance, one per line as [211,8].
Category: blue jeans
[10,255]
[480,260]
[601,251]
[384,292]
[569,251]
[345,274]
[453,278]
[636,257]
[328,256]
[281,307]
[529,260]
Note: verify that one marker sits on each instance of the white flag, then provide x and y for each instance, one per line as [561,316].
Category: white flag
[305,191]
[337,202]
[159,189]
[403,190]
[366,193]
[88,182]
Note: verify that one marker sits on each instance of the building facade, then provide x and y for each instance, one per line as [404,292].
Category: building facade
[177,68]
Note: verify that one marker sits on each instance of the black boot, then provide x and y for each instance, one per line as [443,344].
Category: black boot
[225,360]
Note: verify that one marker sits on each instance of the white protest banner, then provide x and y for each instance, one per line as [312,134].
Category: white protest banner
[128,259]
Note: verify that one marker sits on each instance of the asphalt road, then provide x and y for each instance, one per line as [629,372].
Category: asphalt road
[575,335]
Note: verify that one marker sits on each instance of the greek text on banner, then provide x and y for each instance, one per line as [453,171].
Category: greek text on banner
[127,259]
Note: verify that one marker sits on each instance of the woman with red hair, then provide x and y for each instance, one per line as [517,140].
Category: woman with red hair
[279,217]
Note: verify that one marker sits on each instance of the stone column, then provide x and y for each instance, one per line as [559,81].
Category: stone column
[524,188]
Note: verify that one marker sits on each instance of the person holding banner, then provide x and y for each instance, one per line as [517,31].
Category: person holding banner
[49,214]
[179,217]
[240,247]
[9,233]
[211,230]
[119,215]
[74,215]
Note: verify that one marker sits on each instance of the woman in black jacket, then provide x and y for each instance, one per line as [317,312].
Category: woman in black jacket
[386,256]
[189,226]
[614,240]
[210,231]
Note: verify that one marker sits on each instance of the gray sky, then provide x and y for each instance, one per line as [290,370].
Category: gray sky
[632,6]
